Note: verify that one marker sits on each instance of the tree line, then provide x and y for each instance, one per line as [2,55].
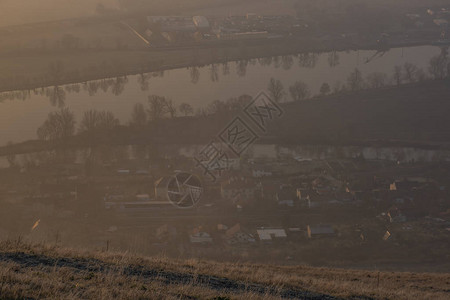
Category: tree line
[438,69]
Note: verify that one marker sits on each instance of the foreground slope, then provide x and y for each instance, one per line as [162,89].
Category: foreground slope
[32,272]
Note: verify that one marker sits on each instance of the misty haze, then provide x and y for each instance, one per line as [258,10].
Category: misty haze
[224,149]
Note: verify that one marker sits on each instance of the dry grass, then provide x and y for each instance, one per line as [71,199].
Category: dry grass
[39,271]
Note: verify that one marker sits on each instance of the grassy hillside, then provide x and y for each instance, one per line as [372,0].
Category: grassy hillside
[38,271]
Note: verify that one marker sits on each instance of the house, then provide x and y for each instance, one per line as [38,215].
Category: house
[314,200]
[295,233]
[233,164]
[172,23]
[142,197]
[319,230]
[251,16]
[322,186]
[260,172]
[344,196]
[123,171]
[270,234]
[269,190]
[111,200]
[201,22]
[166,232]
[301,194]
[286,196]
[242,188]
[142,172]
[404,185]
[235,235]
[222,227]
[395,215]
[200,237]
[441,22]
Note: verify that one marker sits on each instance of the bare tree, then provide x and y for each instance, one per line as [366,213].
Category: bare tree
[438,66]
[338,87]
[355,80]
[239,103]
[410,72]
[398,75]
[94,121]
[138,116]
[95,125]
[376,80]
[108,121]
[89,121]
[170,108]
[186,109]
[60,125]
[276,90]
[421,75]
[217,107]
[299,91]
[325,89]
[156,107]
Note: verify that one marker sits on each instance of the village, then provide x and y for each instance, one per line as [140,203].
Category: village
[181,31]
[288,209]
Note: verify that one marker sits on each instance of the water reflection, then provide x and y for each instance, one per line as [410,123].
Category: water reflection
[57,94]
[333,59]
[241,68]
[143,80]
[225,69]
[308,60]
[265,61]
[194,74]
[287,62]
[118,85]
[214,73]
[276,62]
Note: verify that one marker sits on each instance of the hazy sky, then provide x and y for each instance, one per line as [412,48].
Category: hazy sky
[14,12]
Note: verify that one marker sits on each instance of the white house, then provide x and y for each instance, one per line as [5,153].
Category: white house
[269,234]
[200,238]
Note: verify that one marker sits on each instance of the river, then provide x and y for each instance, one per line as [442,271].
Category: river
[22,112]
